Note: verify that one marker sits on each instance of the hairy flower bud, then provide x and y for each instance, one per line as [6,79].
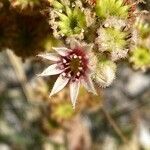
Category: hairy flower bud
[104,73]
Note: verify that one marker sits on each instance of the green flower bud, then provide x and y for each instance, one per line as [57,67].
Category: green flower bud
[73,23]
[113,38]
[70,21]
[140,58]
[62,111]
[107,8]
[142,27]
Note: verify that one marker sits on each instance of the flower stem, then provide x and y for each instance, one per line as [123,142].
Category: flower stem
[114,125]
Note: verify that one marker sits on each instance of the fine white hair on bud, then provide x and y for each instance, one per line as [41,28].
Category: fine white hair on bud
[104,73]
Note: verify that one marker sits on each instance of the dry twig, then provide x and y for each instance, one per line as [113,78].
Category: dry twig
[114,125]
[20,73]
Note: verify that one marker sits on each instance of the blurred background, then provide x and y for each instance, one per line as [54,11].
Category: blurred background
[117,119]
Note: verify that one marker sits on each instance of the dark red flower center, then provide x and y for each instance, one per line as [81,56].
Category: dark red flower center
[75,64]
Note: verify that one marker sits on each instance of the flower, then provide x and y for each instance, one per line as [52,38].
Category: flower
[74,67]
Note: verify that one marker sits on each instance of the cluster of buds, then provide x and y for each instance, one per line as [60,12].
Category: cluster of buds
[95,34]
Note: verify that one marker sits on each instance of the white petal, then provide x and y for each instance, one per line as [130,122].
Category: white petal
[50,56]
[88,84]
[74,91]
[51,70]
[63,51]
[60,83]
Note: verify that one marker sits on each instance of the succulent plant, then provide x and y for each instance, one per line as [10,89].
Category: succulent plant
[107,27]
[104,24]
